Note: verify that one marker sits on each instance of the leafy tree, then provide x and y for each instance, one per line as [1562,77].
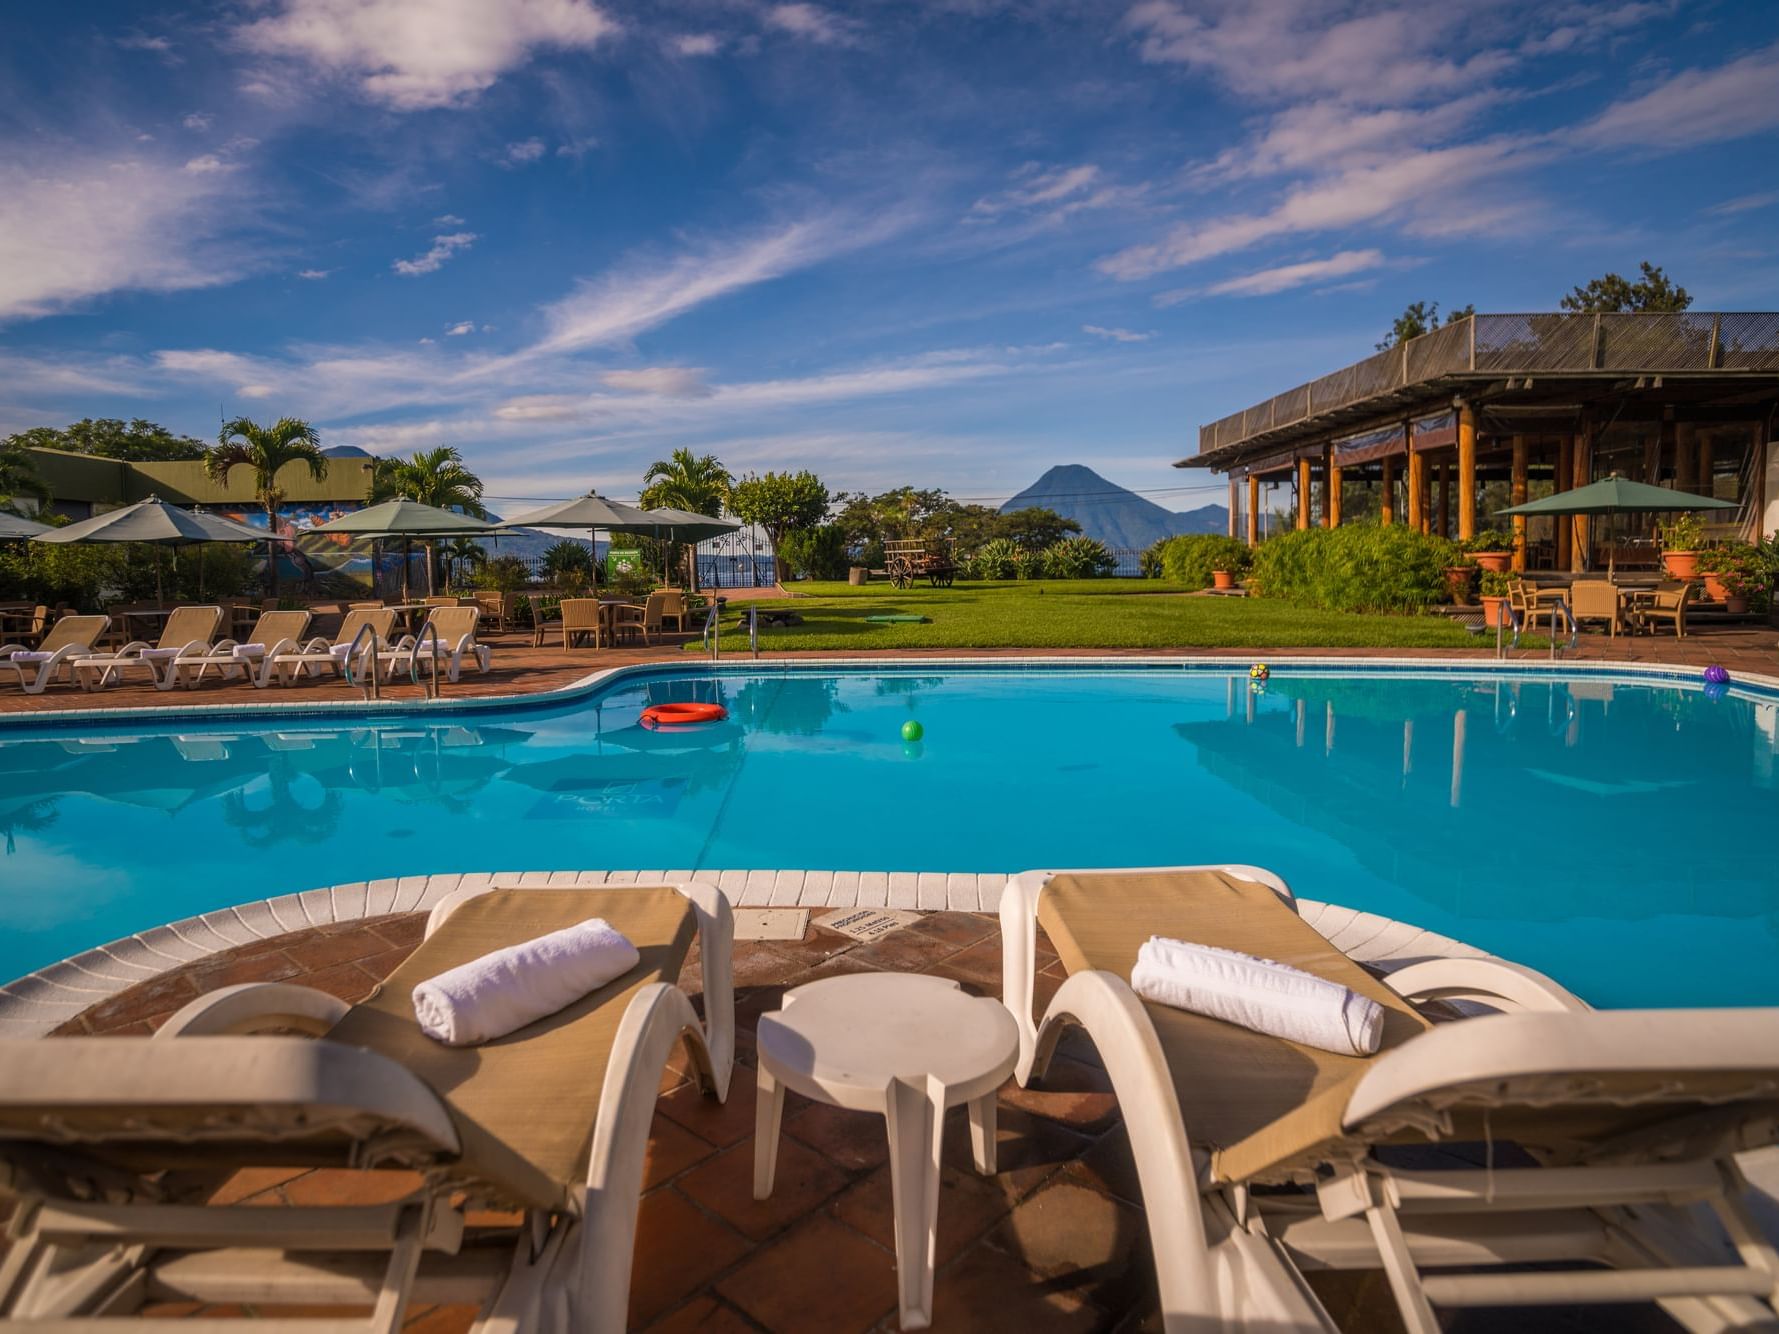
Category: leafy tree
[462,556]
[780,503]
[135,441]
[1421,317]
[19,475]
[1613,293]
[685,481]
[244,443]
[816,553]
[433,477]
[1034,528]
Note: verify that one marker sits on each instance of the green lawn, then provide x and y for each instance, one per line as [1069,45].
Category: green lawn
[1109,613]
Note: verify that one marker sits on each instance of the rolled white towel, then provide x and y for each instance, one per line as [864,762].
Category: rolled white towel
[29,655]
[250,650]
[159,654]
[489,997]
[1259,994]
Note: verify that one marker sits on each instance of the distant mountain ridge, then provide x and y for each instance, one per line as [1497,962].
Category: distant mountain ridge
[1116,516]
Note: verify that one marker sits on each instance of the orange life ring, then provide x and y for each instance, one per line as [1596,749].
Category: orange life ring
[669,715]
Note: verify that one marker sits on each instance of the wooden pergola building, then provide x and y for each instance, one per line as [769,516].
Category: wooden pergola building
[1441,431]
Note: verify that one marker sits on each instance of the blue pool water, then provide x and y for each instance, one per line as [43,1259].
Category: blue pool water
[1618,836]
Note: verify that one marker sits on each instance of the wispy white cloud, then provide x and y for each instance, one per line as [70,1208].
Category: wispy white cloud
[314,275]
[196,121]
[77,225]
[1695,106]
[415,54]
[1581,27]
[1746,203]
[1284,277]
[1116,335]
[697,44]
[443,248]
[206,163]
[155,44]
[447,220]
[814,24]
[461,328]
[524,151]
[1407,189]
[664,381]
[1052,194]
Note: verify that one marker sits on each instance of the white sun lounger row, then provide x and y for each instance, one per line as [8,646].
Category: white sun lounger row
[279,652]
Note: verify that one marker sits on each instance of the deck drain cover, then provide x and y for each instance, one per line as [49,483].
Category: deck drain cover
[771,923]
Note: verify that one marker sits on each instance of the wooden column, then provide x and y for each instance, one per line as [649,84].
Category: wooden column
[1706,462]
[1331,490]
[1518,497]
[1565,530]
[1386,514]
[1763,444]
[1466,472]
[1445,498]
[1660,445]
[1253,510]
[1234,505]
[1417,492]
[1582,465]
[1304,492]
[1686,472]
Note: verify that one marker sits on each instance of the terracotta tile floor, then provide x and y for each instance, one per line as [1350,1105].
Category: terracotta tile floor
[520,669]
[1054,1241]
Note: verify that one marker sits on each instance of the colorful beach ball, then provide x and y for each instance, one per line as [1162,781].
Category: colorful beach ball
[1717,675]
[1259,672]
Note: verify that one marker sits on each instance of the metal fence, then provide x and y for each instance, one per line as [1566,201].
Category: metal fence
[1523,344]
[726,563]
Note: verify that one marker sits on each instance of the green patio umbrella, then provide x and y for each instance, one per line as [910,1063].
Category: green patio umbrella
[406,519]
[592,512]
[690,526]
[1618,495]
[13,528]
[155,523]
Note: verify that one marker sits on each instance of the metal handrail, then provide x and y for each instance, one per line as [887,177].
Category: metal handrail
[371,687]
[1562,605]
[713,633]
[432,690]
[753,628]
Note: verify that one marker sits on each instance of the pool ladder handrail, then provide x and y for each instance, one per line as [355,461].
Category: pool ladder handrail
[1559,607]
[370,685]
[713,633]
[428,633]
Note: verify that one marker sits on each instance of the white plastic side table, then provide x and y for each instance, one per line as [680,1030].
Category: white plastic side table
[907,1047]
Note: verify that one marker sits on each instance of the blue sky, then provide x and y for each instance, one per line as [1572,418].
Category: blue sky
[946,243]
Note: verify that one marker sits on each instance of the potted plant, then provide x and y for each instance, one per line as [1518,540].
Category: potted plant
[1495,586]
[1491,549]
[1732,572]
[1222,579]
[1459,578]
[1682,536]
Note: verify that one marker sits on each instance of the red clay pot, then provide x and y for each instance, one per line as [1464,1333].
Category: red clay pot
[1222,579]
[1458,579]
[1715,588]
[1681,564]
[1494,611]
[1497,561]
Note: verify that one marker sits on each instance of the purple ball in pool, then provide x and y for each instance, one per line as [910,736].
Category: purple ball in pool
[1717,676]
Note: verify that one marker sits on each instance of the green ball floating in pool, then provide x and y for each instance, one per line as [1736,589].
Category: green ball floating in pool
[912,731]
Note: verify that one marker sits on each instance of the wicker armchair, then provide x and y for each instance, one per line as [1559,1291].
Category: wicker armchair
[1668,603]
[1597,600]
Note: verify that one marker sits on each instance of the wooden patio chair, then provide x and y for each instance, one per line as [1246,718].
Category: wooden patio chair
[1597,600]
[581,617]
[1668,603]
[497,607]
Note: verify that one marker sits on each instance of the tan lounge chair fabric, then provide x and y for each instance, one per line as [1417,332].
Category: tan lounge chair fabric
[525,1105]
[1249,1098]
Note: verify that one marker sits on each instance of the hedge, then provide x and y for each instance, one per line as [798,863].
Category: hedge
[1190,559]
[1359,568]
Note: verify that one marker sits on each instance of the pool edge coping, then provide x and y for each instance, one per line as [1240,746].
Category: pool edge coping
[1751,685]
[34,1005]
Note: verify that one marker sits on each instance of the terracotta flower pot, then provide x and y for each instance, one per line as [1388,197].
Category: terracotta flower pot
[1458,579]
[1736,604]
[1222,579]
[1498,561]
[1715,588]
[1681,564]
[1494,611]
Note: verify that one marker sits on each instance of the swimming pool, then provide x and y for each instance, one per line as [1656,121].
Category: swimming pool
[1614,833]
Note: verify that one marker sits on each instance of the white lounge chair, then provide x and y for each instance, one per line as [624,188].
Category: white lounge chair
[68,640]
[111,1148]
[448,635]
[189,631]
[287,659]
[1606,1140]
[235,658]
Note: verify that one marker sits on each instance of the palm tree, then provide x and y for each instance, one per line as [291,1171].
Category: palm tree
[19,475]
[266,449]
[433,477]
[463,556]
[687,482]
